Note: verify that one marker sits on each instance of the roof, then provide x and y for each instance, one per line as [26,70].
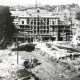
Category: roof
[33,13]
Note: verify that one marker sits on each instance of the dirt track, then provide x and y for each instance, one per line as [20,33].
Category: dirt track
[50,68]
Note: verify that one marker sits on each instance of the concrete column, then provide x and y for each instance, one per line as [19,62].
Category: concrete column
[36,25]
[57,34]
[24,33]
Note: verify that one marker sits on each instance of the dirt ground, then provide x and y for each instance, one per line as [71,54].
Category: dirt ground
[51,68]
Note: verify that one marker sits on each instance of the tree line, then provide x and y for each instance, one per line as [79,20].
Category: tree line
[7,28]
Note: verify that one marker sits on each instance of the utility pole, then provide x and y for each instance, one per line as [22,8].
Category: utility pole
[17,45]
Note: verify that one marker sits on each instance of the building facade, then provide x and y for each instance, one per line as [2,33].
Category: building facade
[40,26]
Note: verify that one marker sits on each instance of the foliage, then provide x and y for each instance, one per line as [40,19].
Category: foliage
[78,16]
[7,28]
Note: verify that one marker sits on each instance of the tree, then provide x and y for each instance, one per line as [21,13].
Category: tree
[78,16]
[7,28]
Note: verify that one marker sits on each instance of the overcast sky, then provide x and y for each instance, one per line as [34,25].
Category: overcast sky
[51,2]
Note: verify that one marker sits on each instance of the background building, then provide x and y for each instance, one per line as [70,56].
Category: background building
[41,25]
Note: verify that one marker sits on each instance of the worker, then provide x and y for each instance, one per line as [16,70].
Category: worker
[70,56]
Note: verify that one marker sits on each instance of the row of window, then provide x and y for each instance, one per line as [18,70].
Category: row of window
[43,23]
[40,21]
[41,32]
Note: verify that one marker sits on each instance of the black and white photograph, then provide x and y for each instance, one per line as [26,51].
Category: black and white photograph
[39,39]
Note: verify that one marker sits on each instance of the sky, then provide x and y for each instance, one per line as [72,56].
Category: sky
[50,2]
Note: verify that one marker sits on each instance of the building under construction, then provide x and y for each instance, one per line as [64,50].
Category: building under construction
[40,25]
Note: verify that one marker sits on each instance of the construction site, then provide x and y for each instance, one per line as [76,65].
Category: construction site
[45,46]
[40,25]
[40,61]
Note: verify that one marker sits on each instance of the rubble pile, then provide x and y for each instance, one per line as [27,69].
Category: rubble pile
[52,50]
[23,47]
[31,64]
[10,70]
[66,56]
[8,65]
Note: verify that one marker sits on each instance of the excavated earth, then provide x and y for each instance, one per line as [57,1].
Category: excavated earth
[50,68]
